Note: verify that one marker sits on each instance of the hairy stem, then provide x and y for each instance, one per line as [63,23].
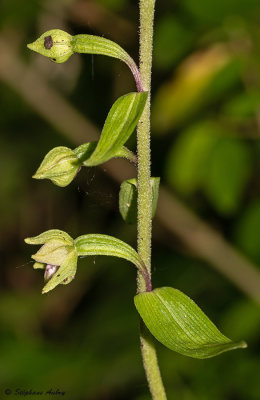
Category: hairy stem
[145,194]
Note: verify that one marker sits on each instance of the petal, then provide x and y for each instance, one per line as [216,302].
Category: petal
[38,265]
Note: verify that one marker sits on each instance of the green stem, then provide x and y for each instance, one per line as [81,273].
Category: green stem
[145,194]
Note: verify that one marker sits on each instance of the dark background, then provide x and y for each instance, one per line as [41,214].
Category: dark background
[83,338]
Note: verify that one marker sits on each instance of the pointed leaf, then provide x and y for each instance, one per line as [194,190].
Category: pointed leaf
[95,244]
[120,123]
[178,323]
[128,199]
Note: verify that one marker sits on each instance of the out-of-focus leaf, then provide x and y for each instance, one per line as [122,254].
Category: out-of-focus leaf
[242,319]
[193,86]
[247,232]
[217,11]
[18,13]
[113,4]
[119,125]
[187,161]
[128,199]
[171,41]
[178,323]
[227,174]
[205,158]
[246,105]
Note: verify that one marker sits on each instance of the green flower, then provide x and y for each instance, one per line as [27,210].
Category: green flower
[54,44]
[58,256]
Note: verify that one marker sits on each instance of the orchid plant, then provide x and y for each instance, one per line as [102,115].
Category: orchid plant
[166,313]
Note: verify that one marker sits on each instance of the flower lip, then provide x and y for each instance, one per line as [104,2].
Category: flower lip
[49,271]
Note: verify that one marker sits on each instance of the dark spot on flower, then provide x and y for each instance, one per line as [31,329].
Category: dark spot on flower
[53,59]
[65,280]
[58,275]
[48,42]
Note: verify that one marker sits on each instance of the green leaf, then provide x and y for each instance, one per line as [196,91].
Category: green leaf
[96,244]
[85,150]
[187,160]
[178,323]
[247,232]
[90,44]
[128,199]
[120,123]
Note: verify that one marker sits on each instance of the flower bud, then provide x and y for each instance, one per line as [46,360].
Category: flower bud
[54,44]
[60,165]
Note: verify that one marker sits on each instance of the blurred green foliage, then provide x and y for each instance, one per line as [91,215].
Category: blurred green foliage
[83,339]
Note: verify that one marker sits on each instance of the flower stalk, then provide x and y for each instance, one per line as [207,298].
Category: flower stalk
[145,194]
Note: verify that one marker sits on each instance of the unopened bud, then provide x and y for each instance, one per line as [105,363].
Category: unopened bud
[54,44]
[60,165]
